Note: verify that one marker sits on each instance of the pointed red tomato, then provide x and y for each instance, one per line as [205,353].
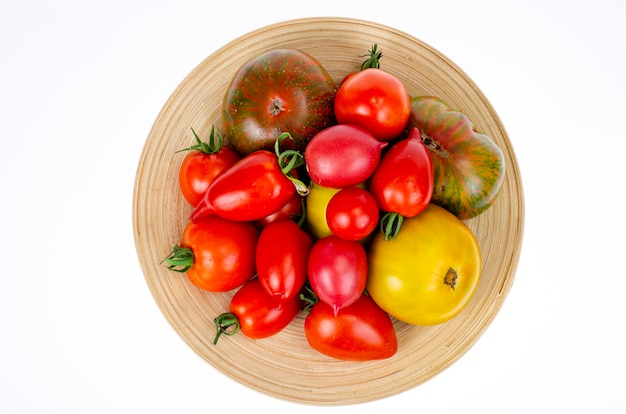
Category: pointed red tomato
[359,332]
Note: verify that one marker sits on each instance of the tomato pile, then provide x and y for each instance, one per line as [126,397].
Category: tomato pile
[345,202]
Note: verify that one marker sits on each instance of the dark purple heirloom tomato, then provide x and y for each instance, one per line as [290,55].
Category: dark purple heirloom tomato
[283,90]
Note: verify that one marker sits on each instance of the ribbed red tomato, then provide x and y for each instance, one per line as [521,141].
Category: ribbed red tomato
[468,165]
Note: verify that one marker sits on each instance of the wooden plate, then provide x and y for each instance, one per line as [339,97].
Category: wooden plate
[284,366]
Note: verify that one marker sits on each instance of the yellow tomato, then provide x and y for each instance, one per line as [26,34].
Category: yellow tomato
[428,273]
[316,202]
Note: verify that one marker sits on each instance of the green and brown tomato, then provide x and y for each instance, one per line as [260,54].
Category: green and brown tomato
[468,166]
[282,90]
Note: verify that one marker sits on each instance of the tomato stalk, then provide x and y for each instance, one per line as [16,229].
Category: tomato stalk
[180,259]
[288,161]
[373,60]
[390,224]
[309,298]
[227,324]
[215,144]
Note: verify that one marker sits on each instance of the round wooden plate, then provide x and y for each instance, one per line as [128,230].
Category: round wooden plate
[284,366]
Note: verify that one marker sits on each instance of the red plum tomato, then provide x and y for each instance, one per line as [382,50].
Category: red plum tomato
[255,313]
[281,258]
[342,156]
[337,271]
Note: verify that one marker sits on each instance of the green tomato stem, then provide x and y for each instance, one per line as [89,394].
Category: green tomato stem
[390,225]
[288,161]
[180,259]
[373,58]
[227,324]
[215,144]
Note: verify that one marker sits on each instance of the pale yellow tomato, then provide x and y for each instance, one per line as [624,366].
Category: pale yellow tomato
[429,272]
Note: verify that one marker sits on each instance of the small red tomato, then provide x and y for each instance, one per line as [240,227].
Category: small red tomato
[359,332]
[217,254]
[281,258]
[352,213]
[255,313]
[342,156]
[376,100]
[337,271]
[204,162]
[403,182]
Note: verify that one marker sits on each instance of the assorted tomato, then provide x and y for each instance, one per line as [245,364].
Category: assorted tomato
[344,204]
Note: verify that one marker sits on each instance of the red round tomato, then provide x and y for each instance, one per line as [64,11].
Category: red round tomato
[352,213]
[342,156]
[281,258]
[359,332]
[222,251]
[337,271]
[283,90]
[255,313]
[204,162]
[376,100]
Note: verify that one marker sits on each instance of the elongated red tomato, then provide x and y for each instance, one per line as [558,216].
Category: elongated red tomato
[337,271]
[281,258]
[255,313]
[403,182]
[204,162]
[252,189]
[359,332]
[217,254]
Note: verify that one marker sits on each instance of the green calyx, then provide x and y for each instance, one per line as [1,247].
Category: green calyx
[390,225]
[289,160]
[373,58]
[180,259]
[215,144]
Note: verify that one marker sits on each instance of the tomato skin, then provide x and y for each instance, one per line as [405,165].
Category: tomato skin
[469,167]
[337,271]
[342,156]
[417,277]
[359,332]
[376,100]
[260,315]
[352,213]
[281,258]
[292,210]
[203,163]
[403,181]
[223,253]
[252,189]
[282,90]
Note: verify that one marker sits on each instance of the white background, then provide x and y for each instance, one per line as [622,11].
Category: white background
[81,83]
